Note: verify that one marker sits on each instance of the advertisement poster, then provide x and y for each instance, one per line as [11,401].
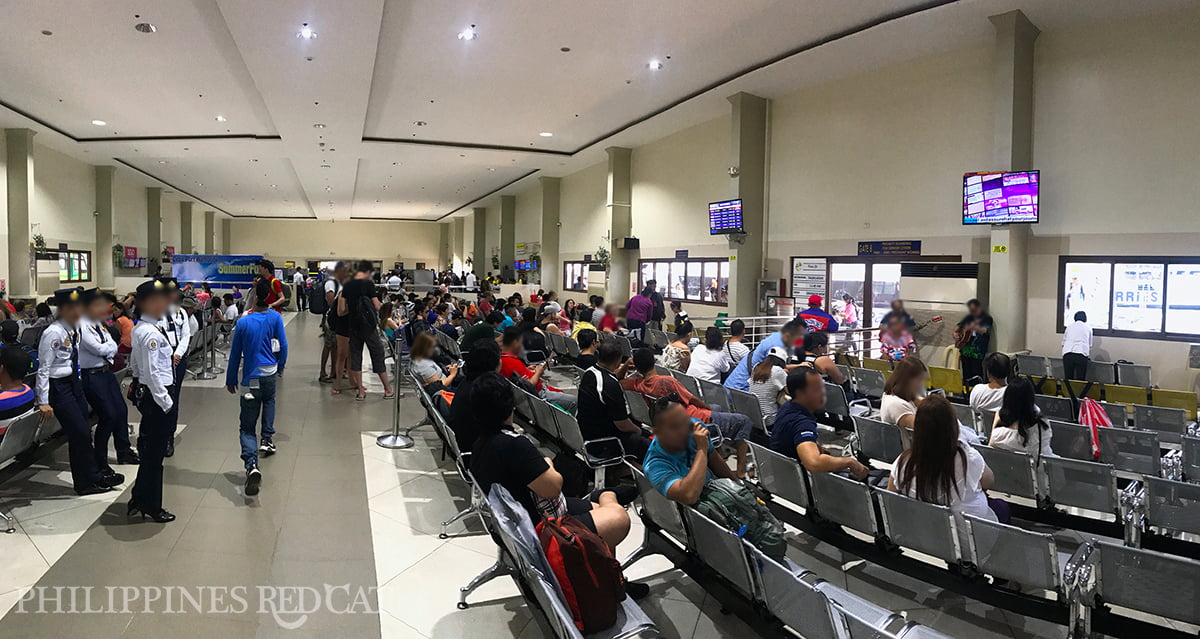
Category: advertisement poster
[220,270]
[1137,297]
[1086,289]
[809,276]
[1183,298]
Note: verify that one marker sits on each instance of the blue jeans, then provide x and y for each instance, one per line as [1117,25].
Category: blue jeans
[253,400]
[733,427]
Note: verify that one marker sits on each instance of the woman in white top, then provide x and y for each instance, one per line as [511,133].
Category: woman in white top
[423,366]
[1019,425]
[990,396]
[678,354]
[709,360]
[1077,347]
[940,469]
[767,380]
[902,394]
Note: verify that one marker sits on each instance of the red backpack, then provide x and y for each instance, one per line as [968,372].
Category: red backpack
[588,574]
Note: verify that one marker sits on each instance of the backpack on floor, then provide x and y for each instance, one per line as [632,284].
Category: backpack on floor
[587,573]
[733,506]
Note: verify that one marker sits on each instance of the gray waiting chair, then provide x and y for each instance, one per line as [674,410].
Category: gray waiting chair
[598,454]
[1143,580]
[836,403]
[926,528]
[793,601]
[662,512]
[1118,414]
[1057,370]
[1033,365]
[1134,375]
[869,382]
[1082,484]
[1015,473]
[639,409]
[845,502]
[714,394]
[1059,408]
[1191,459]
[966,416]
[1172,505]
[1134,451]
[721,549]
[1170,423]
[1101,372]
[690,383]
[878,440]
[22,433]
[781,476]
[747,404]
[1012,553]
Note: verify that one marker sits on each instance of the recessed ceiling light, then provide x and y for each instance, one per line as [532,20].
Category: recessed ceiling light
[420,123]
[145,27]
[468,34]
[546,134]
[326,166]
[655,64]
[162,161]
[99,123]
[306,32]
[491,168]
[274,186]
[221,118]
[318,126]
[47,32]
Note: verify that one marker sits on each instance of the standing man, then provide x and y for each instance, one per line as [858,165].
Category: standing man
[471,280]
[266,271]
[329,352]
[97,349]
[154,394]
[254,340]
[298,284]
[638,310]
[394,283]
[359,305]
[973,336]
[60,393]
[1077,347]
[815,318]
[739,377]
[177,331]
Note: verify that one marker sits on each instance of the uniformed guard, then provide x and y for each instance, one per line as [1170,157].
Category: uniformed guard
[154,394]
[60,394]
[97,348]
[174,323]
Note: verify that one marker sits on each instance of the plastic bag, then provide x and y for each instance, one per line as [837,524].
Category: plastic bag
[1092,415]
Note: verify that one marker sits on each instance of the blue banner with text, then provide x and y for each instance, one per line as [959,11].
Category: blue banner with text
[215,269]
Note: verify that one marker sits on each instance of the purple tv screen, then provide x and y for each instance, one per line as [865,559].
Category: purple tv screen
[1000,198]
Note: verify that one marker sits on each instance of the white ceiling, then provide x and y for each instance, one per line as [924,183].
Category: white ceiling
[379,66]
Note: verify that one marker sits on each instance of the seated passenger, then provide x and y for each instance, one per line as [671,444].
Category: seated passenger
[732,426]
[940,469]
[990,396]
[795,431]
[483,331]
[1019,425]
[484,358]
[681,458]
[583,321]
[767,380]
[678,354]
[609,321]
[16,398]
[587,348]
[895,342]
[785,339]
[710,360]
[816,355]
[902,393]
[503,457]
[10,336]
[427,370]
[512,344]
[603,411]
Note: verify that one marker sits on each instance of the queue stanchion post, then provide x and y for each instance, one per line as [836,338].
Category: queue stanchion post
[396,439]
[212,345]
[205,371]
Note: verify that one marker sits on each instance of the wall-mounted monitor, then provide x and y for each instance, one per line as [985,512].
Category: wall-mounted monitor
[725,218]
[1000,198]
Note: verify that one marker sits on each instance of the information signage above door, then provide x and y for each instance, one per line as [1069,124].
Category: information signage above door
[890,248]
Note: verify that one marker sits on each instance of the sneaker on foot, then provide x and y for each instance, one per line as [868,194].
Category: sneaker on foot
[253,480]
[266,448]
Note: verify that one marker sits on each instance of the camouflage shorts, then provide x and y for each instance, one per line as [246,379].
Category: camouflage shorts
[327,334]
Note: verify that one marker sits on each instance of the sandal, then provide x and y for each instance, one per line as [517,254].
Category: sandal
[325,379]
[361,397]
[391,395]
[335,391]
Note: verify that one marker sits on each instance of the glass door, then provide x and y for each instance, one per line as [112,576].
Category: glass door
[846,280]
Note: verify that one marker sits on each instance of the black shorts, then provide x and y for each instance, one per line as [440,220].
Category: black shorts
[581,509]
[375,346]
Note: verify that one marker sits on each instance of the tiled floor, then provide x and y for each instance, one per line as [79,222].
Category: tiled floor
[338,510]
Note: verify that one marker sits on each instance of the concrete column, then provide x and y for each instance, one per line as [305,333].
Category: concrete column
[508,232]
[226,236]
[102,261]
[479,253]
[458,243]
[748,153]
[443,245]
[185,227]
[551,267]
[154,228]
[210,232]
[1008,297]
[620,201]
[19,145]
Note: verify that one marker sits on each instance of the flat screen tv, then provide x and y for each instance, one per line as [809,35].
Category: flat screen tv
[725,218]
[996,197]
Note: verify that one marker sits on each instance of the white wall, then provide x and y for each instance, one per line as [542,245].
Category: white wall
[585,217]
[529,215]
[64,199]
[389,241]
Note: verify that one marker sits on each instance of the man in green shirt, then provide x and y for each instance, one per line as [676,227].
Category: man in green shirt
[483,330]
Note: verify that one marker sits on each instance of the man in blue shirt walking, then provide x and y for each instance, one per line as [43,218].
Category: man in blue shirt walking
[259,348]
[787,336]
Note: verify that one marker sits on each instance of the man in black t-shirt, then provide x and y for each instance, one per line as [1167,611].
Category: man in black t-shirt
[974,334]
[359,306]
[483,359]
[603,411]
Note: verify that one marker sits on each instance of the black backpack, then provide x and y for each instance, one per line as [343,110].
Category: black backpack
[364,319]
[316,298]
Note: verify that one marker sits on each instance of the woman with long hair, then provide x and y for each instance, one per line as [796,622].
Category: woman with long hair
[678,354]
[902,394]
[940,469]
[1019,425]
[423,366]
[767,380]
[387,320]
[710,361]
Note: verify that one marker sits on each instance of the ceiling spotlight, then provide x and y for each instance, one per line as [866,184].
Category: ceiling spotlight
[318,126]
[546,134]
[468,33]
[162,161]
[420,123]
[145,27]
[306,32]
[326,166]
[274,186]
[491,168]
[47,32]
[99,122]
[655,64]
[221,118]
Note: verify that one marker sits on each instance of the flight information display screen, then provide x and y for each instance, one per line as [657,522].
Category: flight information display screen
[1000,198]
[725,218]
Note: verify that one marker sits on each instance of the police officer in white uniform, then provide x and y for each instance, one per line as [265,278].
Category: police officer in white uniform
[97,348]
[174,323]
[60,394]
[154,392]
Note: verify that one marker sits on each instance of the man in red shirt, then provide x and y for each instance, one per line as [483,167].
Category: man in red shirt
[815,318]
[511,345]
[266,271]
[733,427]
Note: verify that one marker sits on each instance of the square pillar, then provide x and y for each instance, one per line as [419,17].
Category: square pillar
[748,153]
[19,147]
[185,227]
[226,237]
[458,243]
[154,229]
[102,261]
[550,266]
[620,209]
[479,254]
[210,232]
[443,245]
[508,233]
